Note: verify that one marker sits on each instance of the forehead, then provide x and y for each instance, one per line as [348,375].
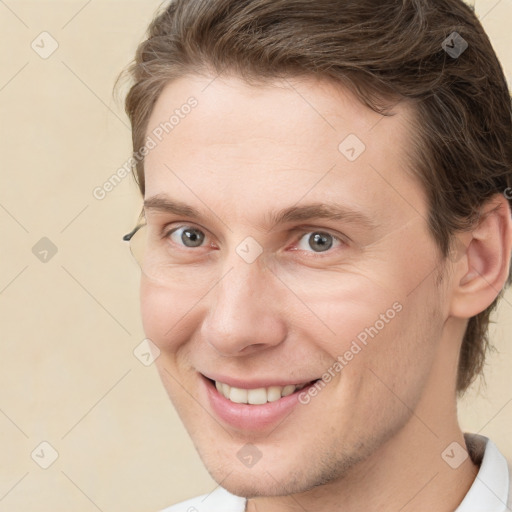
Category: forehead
[307,109]
[288,140]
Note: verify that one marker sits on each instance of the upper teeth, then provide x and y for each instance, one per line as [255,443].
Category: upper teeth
[256,396]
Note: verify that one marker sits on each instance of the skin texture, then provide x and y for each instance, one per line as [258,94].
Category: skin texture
[372,438]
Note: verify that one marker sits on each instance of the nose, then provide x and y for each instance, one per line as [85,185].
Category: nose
[244,313]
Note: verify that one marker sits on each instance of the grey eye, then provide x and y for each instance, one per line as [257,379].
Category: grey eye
[188,236]
[318,241]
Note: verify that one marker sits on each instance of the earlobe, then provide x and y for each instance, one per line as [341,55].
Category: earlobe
[483,269]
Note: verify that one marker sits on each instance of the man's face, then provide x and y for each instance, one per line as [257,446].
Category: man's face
[255,303]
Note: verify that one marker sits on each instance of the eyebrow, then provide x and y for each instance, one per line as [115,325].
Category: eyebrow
[329,211]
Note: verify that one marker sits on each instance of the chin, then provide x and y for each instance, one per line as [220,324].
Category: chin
[250,485]
[280,477]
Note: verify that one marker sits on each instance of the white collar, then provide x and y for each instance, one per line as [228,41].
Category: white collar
[490,488]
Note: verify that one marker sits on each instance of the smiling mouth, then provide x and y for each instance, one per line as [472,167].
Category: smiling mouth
[257,396]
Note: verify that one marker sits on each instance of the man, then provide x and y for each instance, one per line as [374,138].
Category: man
[325,232]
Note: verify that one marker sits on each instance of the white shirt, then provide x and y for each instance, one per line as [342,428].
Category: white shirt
[490,491]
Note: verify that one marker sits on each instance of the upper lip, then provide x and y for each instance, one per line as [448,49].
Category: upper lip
[255,383]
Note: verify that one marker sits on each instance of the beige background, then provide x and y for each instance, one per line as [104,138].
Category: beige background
[68,374]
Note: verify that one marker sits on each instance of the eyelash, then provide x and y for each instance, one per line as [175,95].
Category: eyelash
[166,233]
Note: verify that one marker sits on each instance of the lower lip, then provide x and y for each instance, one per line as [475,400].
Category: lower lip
[248,416]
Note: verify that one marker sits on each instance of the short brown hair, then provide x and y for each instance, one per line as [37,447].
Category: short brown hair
[381,51]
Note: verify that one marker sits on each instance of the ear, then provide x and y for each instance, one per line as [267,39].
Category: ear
[482,267]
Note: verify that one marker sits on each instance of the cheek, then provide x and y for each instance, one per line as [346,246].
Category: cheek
[364,300]
[389,369]
[151,308]
[397,361]
[351,312]
[163,315]
[380,326]
[167,321]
